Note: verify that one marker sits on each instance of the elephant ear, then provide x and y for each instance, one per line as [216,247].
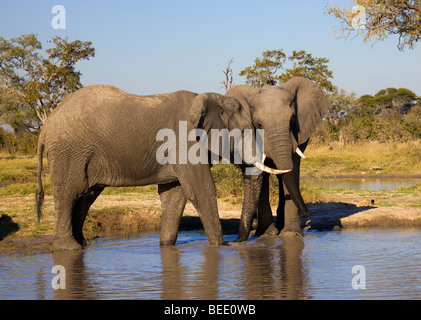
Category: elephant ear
[310,103]
[213,111]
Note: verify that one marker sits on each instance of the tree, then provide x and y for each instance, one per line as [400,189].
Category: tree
[31,86]
[389,102]
[304,65]
[266,70]
[227,82]
[341,105]
[377,20]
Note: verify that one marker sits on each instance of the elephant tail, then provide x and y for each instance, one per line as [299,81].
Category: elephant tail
[39,195]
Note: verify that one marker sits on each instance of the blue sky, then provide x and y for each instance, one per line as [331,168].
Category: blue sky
[148,47]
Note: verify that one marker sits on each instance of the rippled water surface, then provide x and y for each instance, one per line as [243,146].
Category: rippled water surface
[319,266]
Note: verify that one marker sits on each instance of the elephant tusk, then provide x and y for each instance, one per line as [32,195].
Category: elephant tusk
[263,157]
[262,167]
[300,153]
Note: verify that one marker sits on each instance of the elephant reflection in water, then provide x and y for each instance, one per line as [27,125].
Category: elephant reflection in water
[175,275]
[269,268]
[275,274]
[78,284]
[270,272]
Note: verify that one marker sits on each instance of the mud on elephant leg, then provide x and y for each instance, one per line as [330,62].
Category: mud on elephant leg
[173,201]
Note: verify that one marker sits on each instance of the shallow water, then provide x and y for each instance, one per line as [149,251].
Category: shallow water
[357,183]
[319,266]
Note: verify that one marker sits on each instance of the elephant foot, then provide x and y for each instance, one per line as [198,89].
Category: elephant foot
[81,240]
[219,243]
[272,230]
[166,243]
[240,239]
[66,244]
[291,233]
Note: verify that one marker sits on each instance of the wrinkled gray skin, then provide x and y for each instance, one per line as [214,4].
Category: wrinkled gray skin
[101,136]
[289,114]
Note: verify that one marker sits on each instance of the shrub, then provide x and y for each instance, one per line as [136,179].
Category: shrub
[24,142]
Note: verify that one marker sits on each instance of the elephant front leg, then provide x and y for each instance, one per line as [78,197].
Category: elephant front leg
[173,201]
[199,188]
[292,224]
[288,216]
[265,223]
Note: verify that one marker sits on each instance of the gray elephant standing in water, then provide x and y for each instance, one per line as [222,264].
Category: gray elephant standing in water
[101,136]
[288,114]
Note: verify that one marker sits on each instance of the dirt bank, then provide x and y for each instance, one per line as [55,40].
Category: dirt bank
[343,215]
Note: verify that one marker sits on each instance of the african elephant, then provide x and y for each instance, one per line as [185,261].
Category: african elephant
[101,136]
[288,113]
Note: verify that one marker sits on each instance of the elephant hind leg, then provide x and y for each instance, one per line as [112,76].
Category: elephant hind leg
[68,184]
[80,210]
[173,201]
[64,239]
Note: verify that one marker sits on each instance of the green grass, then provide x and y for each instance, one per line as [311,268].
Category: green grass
[395,158]
[17,169]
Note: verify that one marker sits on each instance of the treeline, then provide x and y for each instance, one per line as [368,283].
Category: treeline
[391,115]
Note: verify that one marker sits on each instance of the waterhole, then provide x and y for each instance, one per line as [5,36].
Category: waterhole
[319,266]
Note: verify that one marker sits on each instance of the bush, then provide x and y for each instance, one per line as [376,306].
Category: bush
[356,129]
[24,142]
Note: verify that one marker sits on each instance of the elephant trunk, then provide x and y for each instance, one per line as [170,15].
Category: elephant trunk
[252,189]
[282,157]
[280,147]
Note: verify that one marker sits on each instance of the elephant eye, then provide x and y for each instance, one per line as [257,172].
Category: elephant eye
[259,125]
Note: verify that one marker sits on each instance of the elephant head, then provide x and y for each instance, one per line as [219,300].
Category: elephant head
[214,111]
[288,114]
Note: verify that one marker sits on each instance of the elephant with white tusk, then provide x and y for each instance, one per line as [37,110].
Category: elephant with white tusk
[288,113]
